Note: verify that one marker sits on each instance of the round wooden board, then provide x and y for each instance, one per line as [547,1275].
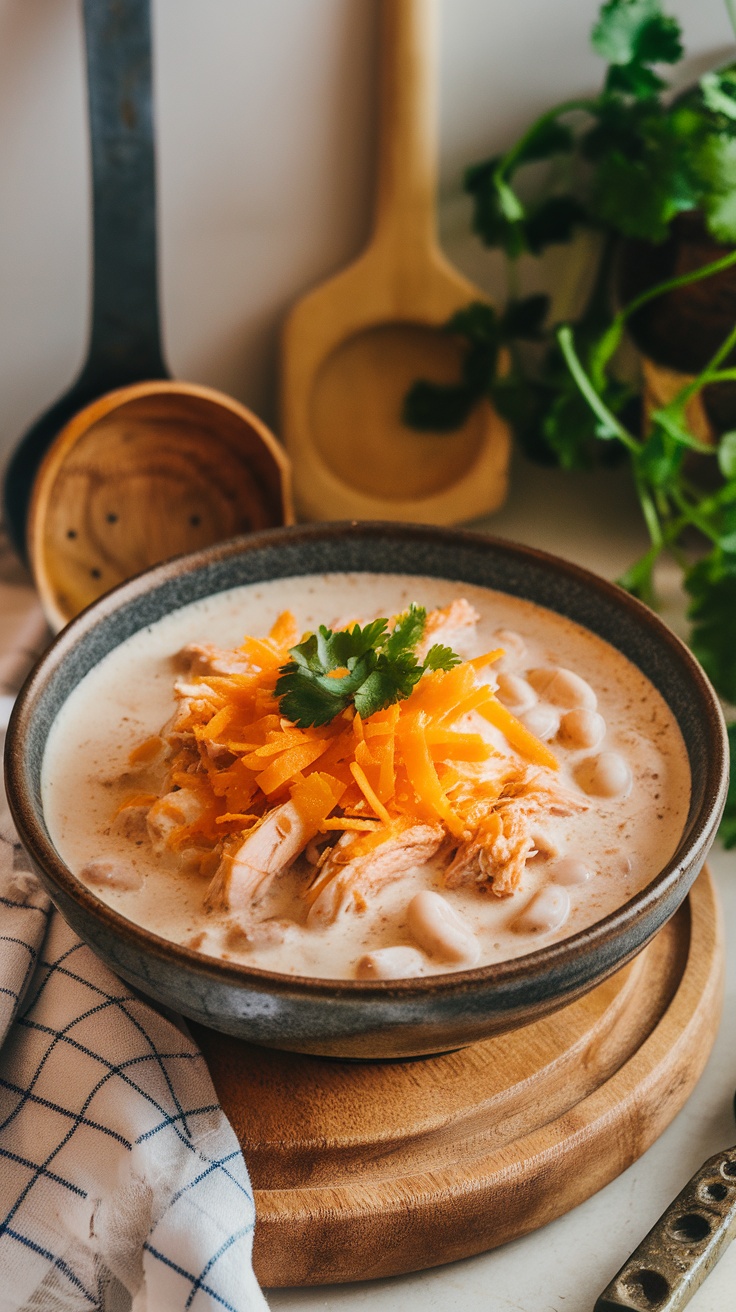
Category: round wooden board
[376,1169]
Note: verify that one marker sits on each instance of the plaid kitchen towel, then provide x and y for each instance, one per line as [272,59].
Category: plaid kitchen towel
[122,1185]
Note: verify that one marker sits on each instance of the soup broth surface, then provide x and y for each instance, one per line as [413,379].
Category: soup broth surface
[628,768]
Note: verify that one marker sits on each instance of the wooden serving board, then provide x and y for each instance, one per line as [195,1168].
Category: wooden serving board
[376,1169]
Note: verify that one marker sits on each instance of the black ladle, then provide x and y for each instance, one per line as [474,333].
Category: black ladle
[125,344]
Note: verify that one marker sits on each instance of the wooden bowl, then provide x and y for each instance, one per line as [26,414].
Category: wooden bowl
[144,473]
[351,1018]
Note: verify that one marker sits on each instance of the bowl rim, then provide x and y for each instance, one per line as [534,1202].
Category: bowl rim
[521,970]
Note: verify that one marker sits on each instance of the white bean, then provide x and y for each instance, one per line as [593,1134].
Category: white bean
[542,721]
[547,910]
[563,687]
[440,930]
[512,643]
[110,874]
[606,775]
[582,728]
[544,843]
[515,692]
[391,963]
[570,871]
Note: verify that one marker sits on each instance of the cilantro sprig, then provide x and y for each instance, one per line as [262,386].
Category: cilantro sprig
[676,508]
[623,164]
[370,667]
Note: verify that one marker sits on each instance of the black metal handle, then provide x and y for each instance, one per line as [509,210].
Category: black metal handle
[125,343]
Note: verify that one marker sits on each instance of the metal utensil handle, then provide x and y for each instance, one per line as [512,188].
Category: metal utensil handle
[125,343]
[682,1248]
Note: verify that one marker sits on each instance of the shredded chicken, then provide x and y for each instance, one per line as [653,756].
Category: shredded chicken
[165,818]
[341,877]
[451,625]
[268,850]
[245,933]
[495,856]
[204,659]
[504,839]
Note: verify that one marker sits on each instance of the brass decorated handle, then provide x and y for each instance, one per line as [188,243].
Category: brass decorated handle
[674,1259]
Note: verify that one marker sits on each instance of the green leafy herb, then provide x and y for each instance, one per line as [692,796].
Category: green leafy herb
[624,164]
[369,667]
[674,506]
[632,156]
[632,35]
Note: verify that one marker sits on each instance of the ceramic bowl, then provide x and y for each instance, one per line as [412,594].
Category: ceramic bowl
[353,1018]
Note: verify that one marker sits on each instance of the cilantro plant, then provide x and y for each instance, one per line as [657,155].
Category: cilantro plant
[624,163]
[369,668]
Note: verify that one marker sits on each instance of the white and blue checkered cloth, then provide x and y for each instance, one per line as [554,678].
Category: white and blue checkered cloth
[122,1185]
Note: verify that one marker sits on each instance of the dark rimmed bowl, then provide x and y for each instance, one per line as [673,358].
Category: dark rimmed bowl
[352,1018]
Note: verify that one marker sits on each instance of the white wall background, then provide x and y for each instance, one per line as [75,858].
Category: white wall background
[265,116]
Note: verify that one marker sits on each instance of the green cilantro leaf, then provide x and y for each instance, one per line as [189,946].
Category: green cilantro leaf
[552,221]
[490,220]
[337,650]
[406,633]
[547,139]
[636,32]
[719,92]
[437,407]
[380,668]
[440,658]
[391,681]
[660,460]
[444,407]
[713,162]
[525,318]
[727,455]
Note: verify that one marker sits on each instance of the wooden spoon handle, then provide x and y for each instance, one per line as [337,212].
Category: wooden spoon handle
[124,342]
[407,147]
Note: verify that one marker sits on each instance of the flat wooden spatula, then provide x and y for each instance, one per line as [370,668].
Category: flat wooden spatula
[354,346]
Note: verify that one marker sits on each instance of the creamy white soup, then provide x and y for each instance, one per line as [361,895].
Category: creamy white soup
[506,803]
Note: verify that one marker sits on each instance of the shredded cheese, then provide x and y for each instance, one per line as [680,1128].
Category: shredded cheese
[418,760]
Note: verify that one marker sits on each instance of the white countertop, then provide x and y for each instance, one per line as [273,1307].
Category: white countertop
[565,1266]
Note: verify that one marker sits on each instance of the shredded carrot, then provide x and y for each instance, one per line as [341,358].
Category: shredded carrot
[315,797]
[445,744]
[284,632]
[423,775]
[368,793]
[146,751]
[218,723]
[348,822]
[480,662]
[278,774]
[137,799]
[370,778]
[262,653]
[517,734]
